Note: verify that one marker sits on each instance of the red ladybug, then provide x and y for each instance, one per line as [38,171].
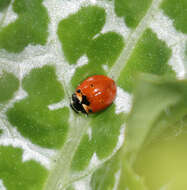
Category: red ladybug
[94,94]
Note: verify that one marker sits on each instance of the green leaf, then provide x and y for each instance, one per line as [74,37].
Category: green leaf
[107,47]
[47,48]
[83,154]
[29,28]
[70,188]
[167,154]
[157,94]
[129,179]
[31,116]
[105,133]
[104,177]
[176,10]
[103,51]
[132,10]
[77,31]
[8,85]
[168,98]
[149,56]
[18,175]
[4,4]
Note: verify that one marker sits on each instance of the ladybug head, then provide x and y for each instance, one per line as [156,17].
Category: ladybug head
[80,103]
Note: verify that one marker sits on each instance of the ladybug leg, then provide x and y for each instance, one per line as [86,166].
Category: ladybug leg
[73,108]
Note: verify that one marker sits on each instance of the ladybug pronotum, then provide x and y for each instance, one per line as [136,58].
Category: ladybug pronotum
[94,94]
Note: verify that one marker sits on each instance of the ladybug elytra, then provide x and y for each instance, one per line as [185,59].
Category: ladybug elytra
[94,94]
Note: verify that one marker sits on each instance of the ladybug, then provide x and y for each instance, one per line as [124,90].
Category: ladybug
[94,94]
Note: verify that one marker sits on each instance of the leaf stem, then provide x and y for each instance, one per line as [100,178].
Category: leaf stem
[132,41]
[59,176]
